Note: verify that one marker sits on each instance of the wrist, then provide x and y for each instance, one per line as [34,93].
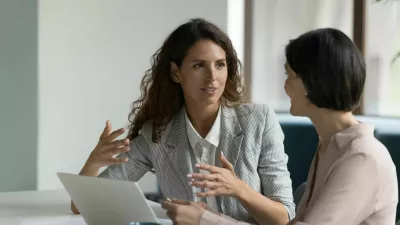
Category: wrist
[242,191]
[89,170]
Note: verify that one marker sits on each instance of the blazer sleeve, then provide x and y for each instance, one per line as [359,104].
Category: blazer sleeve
[272,164]
[349,194]
[138,162]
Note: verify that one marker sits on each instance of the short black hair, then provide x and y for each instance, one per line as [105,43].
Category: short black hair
[331,67]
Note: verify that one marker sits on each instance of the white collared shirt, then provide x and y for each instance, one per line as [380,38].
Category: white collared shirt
[204,148]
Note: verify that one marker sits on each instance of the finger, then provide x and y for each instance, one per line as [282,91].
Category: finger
[111,137]
[171,215]
[107,130]
[115,144]
[167,205]
[200,176]
[203,204]
[211,169]
[226,164]
[116,151]
[205,184]
[180,202]
[115,161]
[209,193]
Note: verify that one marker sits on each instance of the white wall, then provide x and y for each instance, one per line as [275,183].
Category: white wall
[382,28]
[92,56]
[275,22]
[235,26]
[18,94]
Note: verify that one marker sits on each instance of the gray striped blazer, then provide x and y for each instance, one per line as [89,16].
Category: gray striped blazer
[251,139]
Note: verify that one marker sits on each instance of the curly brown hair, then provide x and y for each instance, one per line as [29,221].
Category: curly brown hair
[162,98]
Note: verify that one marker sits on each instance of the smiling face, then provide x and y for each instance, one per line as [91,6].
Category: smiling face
[203,73]
[294,88]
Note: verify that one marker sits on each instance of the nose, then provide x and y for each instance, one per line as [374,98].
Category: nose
[212,74]
[285,87]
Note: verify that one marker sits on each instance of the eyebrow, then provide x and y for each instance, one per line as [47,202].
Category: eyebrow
[201,60]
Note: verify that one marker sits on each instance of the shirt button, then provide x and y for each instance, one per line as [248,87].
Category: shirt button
[205,159]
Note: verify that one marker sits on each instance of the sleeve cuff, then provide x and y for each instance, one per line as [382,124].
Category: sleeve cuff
[290,211]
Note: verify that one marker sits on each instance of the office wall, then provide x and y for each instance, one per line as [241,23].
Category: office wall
[18,94]
[92,56]
[275,22]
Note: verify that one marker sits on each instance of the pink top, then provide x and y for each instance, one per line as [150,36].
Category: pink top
[355,184]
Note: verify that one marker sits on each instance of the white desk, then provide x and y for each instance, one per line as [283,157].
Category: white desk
[37,208]
[47,208]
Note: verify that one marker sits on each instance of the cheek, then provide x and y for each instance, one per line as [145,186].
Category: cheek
[287,87]
[189,78]
[222,78]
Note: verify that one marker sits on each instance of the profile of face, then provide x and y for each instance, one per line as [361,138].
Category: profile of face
[294,88]
[202,74]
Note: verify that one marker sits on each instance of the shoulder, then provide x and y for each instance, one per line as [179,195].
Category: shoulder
[368,159]
[145,134]
[368,153]
[252,111]
[371,149]
[257,119]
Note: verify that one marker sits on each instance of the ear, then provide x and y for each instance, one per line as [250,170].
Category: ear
[175,74]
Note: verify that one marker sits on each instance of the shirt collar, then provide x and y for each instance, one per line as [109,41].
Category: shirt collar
[213,135]
[346,136]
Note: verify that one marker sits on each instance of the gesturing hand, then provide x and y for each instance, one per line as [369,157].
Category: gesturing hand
[184,212]
[220,181]
[107,147]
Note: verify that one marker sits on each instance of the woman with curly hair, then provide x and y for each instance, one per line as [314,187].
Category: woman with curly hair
[190,113]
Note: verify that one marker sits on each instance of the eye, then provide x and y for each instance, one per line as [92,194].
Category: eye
[221,64]
[198,65]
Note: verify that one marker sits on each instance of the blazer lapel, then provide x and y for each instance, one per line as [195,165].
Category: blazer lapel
[231,135]
[230,146]
[179,152]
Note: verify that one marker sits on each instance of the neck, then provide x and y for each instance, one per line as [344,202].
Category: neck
[329,122]
[202,117]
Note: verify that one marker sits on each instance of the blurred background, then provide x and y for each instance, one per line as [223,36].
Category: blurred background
[67,66]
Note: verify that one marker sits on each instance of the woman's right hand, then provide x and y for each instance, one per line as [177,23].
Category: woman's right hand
[105,151]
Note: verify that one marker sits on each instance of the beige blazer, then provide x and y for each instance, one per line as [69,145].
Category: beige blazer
[355,184]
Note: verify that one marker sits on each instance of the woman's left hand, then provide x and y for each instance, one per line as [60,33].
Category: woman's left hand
[184,212]
[220,181]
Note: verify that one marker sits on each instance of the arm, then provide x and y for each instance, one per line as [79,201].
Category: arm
[349,194]
[139,162]
[263,209]
[183,212]
[137,165]
[209,218]
[275,204]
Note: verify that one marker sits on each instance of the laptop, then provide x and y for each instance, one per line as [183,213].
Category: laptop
[105,201]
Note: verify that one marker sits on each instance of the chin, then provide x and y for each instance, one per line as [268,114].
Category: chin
[209,101]
[295,112]
[212,99]
[292,112]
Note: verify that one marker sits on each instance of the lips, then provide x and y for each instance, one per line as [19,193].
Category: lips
[209,90]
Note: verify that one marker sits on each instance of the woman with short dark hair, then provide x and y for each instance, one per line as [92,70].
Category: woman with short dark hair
[330,67]
[352,179]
